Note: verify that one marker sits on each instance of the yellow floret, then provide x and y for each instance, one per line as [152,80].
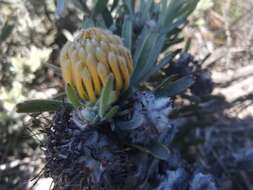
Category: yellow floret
[88,61]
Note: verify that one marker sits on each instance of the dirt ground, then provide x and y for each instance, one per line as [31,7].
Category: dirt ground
[224,36]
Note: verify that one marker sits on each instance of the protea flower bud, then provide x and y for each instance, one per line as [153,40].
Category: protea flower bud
[91,58]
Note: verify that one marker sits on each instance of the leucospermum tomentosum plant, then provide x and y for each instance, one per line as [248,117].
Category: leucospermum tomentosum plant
[113,130]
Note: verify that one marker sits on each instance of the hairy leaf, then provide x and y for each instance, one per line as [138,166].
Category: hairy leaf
[127,32]
[32,106]
[156,149]
[99,7]
[106,98]
[159,150]
[111,113]
[136,121]
[165,61]
[143,49]
[175,87]
[73,96]
[108,19]
[129,6]
[152,57]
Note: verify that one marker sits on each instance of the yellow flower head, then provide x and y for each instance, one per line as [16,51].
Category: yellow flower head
[91,58]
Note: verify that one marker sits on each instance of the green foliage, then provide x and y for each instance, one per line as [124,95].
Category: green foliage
[172,88]
[107,98]
[111,113]
[73,96]
[159,150]
[158,30]
[33,106]
[127,32]
[108,19]
[156,149]
[129,5]
[99,8]
[161,64]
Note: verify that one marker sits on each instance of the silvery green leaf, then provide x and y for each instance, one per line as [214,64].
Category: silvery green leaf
[140,44]
[187,8]
[167,81]
[129,6]
[100,6]
[142,53]
[156,149]
[111,113]
[165,61]
[157,67]
[152,39]
[174,10]
[176,87]
[159,150]
[134,123]
[108,19]
[152,57]
[106,98]
[32,106]
[169,11]
[127,32]
[73,96]
[145,10]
